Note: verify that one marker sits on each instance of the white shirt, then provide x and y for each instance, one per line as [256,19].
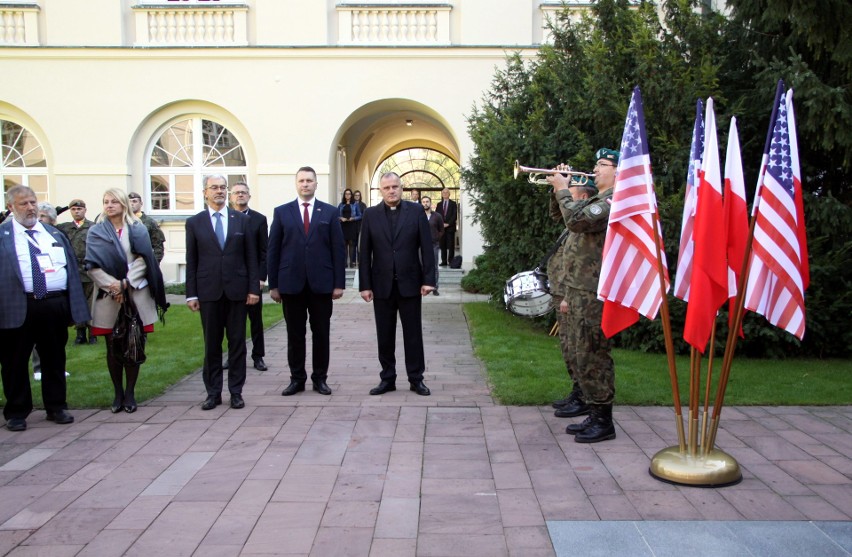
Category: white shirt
[224,213]
[57,276]
[310,203]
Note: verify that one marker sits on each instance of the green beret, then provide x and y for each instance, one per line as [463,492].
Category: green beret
[607,154]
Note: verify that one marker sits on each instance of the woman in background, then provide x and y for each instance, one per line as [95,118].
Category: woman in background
[350,218]
[121,262]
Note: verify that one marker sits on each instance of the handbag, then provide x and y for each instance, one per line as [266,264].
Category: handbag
[128,333]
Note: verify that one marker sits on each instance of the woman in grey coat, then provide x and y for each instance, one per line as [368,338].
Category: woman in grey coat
[120,261]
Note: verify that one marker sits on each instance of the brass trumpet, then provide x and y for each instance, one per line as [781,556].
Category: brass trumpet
[536,174]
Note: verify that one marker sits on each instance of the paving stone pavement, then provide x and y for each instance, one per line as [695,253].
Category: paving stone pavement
[453,474]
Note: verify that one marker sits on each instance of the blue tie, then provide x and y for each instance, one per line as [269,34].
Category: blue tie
[220,231]
[39,282]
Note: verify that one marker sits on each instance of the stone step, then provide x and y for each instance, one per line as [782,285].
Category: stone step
[447,276]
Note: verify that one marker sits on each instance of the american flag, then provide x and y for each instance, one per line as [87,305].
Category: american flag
[684,258]
[775,282]
[629,284]
[709,279]
[736,216]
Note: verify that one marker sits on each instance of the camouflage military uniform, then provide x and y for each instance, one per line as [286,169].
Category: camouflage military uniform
[556,278]
[158,239]
[589,349]
[77,235]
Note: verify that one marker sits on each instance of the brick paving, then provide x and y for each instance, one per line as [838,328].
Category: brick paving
[453,474]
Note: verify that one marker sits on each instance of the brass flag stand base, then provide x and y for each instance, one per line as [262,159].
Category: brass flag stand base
[715,469]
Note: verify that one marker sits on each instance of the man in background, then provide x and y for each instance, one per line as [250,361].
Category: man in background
[258,228]
[158,240]
[77,230]
[449,211]
[436,227]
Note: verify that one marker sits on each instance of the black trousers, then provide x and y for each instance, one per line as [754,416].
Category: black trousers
[218,319]
[409,310]
[298,310]
[255,317]
[448,245]
[46,329]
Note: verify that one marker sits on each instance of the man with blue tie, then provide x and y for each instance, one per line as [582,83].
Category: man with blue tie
[221,280]
[306,260]
[41,298]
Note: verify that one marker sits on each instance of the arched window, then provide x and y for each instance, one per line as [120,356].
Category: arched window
[22,159]
[181,156]
[422,169]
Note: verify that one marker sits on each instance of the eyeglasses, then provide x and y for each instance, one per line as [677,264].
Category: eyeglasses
[218,188]
[599,164]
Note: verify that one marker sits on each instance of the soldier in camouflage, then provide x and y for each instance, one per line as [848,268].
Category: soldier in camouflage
[77,230]
[574,403]
[589,349]
[157,238]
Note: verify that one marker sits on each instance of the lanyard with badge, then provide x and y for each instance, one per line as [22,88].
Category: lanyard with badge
[45,262]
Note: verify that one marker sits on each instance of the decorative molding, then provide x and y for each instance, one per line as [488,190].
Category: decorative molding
[191,25]
[393,24]
[19,25]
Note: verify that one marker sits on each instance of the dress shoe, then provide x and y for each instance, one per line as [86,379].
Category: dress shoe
[293,388]
[260,365]
[117,403]
[322,388]
[16,424]
[93,340]
[130,405]
[60,417]
[383,387]
[237,401]
[436,293]
[81,337]
[442,265]
[211,402]
[420,388]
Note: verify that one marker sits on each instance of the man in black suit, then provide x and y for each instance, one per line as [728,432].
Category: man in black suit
[240,196]
[221,280]
[42,296]
[449,211]
[307,270]
[397,269]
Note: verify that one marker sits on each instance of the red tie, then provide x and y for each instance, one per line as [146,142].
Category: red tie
[306,217]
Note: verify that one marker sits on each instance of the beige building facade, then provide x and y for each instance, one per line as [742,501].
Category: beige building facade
[151,95]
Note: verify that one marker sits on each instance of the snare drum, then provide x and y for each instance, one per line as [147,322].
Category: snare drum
[528,294]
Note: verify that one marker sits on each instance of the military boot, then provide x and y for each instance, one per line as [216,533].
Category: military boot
[574,405]
[601,428]
[574,429]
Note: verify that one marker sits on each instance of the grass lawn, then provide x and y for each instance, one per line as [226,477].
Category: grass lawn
[174,351]
[525,367]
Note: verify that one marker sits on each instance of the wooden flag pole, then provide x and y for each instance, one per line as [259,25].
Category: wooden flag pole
[704,447]
[667,335]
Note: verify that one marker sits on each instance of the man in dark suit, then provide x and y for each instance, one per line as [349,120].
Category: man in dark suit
[307,270]
[397,269]
[221,280]
[449,211]
[240,196]
[42,296]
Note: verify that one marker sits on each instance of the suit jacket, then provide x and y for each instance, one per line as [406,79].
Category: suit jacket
[318,258]
[408,254]
[13,302]
[452,213]
[259,229]
[212,271]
